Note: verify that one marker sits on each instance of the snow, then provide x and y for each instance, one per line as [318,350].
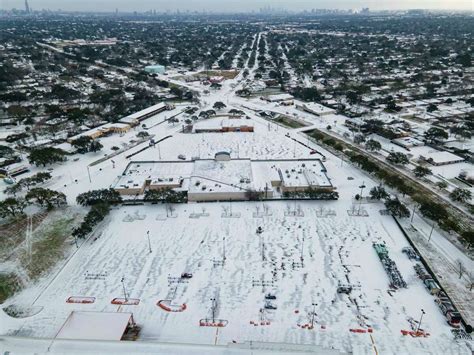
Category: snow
[334,249]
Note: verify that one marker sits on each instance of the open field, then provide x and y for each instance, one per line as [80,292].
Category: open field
[332,249]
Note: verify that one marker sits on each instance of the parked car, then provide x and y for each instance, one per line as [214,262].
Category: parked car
[270,296]
[269,305]
[312,152]
[186,275]
[182,157]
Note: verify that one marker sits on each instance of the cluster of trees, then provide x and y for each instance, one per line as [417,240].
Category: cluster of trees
[93,197]
[327,140]
[394,206]
[312,194]
[397,208]
[373,145]
[28,182]
[100,202]
[46,197]
[86,144]
[47,155]
[219,105]
[12,207]
[463,131]
[378,193]
[460,195]
[166,196]
[397,158]
[306,94]
[96,214]
[434,134]
[378,127]
[421,171]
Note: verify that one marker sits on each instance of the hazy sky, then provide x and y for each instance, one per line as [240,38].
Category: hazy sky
[234,5]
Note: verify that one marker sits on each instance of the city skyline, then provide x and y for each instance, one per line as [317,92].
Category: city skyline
[235,6]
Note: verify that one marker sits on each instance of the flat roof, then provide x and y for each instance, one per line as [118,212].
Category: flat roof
[95,325]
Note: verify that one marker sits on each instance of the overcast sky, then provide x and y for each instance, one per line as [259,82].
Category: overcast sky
[234,5]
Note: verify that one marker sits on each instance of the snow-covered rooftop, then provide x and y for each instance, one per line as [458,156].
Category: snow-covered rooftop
[95,325]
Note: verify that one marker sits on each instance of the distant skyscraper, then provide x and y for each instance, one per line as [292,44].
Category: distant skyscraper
[27,7]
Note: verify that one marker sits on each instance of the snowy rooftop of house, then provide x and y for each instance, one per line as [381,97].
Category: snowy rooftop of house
[440,157]
[407,141]
[317,108]
[115,125]
[279,97]
[146,111]
[95,325]
[468,144]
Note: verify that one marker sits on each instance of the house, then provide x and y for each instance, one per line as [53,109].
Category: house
[438,158]
[355,123]
[314,108]
[137,117]
[216,79]
[278,98]
[101,131]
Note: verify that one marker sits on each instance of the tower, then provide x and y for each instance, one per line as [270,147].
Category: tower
[27,7]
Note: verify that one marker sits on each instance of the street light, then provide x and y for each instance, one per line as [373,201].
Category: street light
[124,291]
[313,314]
[431,233]
[421,318]
[362,187]
[413,213]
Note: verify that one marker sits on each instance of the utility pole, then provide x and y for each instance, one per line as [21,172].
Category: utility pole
[362,187]
[223,249]
[262,245]
[302,247]
[148,236]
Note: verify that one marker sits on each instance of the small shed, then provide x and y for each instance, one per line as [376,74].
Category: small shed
[96,325]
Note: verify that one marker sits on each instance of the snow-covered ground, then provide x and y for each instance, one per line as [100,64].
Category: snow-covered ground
[333,248]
